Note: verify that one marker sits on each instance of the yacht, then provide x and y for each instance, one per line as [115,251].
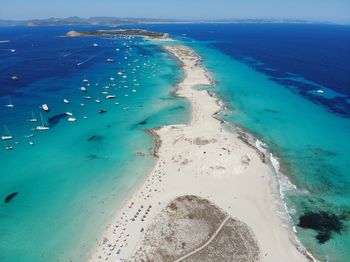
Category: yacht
[83,89]
[85,81]
[45,107]
[95,44]
[69,114]
[33,118]
[7,135]
[14,78]
[66,101]
[71,119]
[43,126]
[9,105]
[110,96]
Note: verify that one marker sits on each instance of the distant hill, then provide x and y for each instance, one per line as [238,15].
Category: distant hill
[114,21]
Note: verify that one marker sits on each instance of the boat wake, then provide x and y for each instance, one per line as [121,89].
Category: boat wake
[87,60]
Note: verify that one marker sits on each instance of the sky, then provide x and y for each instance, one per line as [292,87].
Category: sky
[314,10]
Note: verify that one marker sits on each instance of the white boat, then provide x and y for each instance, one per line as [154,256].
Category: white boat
[110,60]
[69,113]
[33,118]
[9,105]
[110,96]
[87,97]
[85,81]
[71,119]
[97,100]
[95,44]
[45,107]
[112,78]
[9,147]
[320,91]
[31,143]
[7,135]
[12,50]
[104,92]
[43,126]
[83,89]
[82,104]
[66,101]
[14,78]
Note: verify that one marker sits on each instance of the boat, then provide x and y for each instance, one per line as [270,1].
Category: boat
[33,118]
[9,105]
[14,78]
[69,113]
[66,101]
[9,147]
[102,111]
[29,136]
[7,135]
[71,119]
[320,91]
[12,50]
[83,89]
[95,44]
[45,107]
[43,126]
[110,60]
[87,97]
[85,81]
[110,96]
[97,100]
[31,143]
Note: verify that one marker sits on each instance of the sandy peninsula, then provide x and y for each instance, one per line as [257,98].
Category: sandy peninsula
[202,161]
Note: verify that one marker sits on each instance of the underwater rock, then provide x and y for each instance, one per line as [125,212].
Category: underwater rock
[54,120]
[10,197]
[323,223]
[94,138]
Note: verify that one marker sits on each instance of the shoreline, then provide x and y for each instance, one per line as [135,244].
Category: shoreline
[196,75]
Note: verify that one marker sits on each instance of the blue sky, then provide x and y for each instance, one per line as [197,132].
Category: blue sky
[319,10]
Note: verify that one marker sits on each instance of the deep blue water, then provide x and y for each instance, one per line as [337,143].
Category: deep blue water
[303,58]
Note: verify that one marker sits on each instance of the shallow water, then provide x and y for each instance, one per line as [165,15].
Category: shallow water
[74,177]
[268,76]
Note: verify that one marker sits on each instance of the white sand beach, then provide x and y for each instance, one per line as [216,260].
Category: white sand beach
[206,160]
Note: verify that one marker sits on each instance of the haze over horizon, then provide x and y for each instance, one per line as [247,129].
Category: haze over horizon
[323,10]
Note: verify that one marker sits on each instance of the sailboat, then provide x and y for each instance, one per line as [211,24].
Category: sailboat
[43,126]
[33,118]
[7,135]
[97,100]
[10,105]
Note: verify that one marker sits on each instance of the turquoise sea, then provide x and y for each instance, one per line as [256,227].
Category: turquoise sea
[286,84]
[74,177]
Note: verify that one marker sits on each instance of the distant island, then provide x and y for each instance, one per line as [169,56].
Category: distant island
[130,32]
[114,21]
